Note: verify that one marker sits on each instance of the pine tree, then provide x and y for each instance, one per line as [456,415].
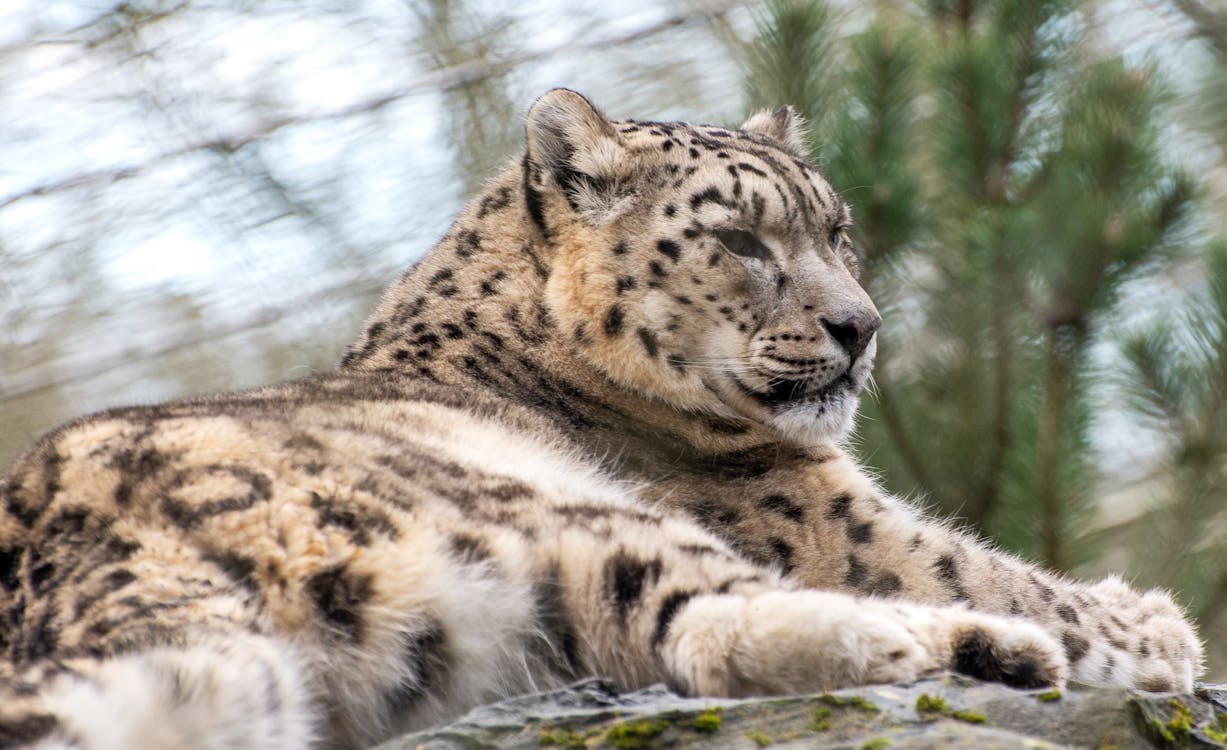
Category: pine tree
[1176,386]
[1010,187]
[1006,184]
[1177,382]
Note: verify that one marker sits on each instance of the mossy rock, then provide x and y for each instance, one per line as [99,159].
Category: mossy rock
[949,712]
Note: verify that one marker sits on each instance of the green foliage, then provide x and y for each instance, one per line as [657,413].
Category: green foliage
[871,140]
[1005,188]
[1176,386]
[1010,187]
[790,59]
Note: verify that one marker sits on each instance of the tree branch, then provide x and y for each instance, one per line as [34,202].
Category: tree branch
[1211,25]
[34,380]
[916,464]
[982,505]
[1049,454]
[442,79]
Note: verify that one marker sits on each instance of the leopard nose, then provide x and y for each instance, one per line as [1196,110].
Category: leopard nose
[854,332]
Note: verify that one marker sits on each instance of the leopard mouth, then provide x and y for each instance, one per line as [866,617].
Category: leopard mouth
[788,393]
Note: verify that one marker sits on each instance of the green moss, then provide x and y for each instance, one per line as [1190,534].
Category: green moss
[854,701]
[1219,733]
[1049,696]
[758,738]
[933,704]
[968,716]
[635,735]
[822,719]
[1215,735]
[1181,723]
[877,743]
[822,715]
[1162,731]
[564,738]
[1150,726]
[708,721]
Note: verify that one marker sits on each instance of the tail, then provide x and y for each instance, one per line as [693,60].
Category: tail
[243,692]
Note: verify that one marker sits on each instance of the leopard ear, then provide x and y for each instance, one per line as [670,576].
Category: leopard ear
[576,146]
[785,126]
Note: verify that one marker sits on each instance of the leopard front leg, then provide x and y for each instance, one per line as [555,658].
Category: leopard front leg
[657,598]
[796,641]
[1150,643]
[830,527]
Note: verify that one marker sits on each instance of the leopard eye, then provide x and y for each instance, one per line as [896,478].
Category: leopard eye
[742,243]
[837,238]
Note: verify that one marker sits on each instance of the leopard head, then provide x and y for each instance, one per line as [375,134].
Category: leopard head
[704,267]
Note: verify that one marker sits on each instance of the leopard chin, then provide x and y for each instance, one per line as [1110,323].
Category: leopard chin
[802,412]
[828,417]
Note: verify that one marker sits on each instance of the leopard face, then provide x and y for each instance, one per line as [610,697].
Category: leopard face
[708,268]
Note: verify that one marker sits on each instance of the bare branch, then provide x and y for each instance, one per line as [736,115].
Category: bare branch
[1211,25]
[34,380]
[442,79]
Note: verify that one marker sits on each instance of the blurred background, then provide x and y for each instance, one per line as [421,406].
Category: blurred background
[199,195]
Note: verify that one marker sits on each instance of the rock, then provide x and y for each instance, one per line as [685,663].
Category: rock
[948,712]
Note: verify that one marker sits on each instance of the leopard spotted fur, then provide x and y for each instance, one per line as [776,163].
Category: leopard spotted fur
[594,431]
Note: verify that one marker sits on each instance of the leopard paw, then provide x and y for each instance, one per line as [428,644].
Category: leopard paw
[1000,649]
[1015,654]
[1150,643]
